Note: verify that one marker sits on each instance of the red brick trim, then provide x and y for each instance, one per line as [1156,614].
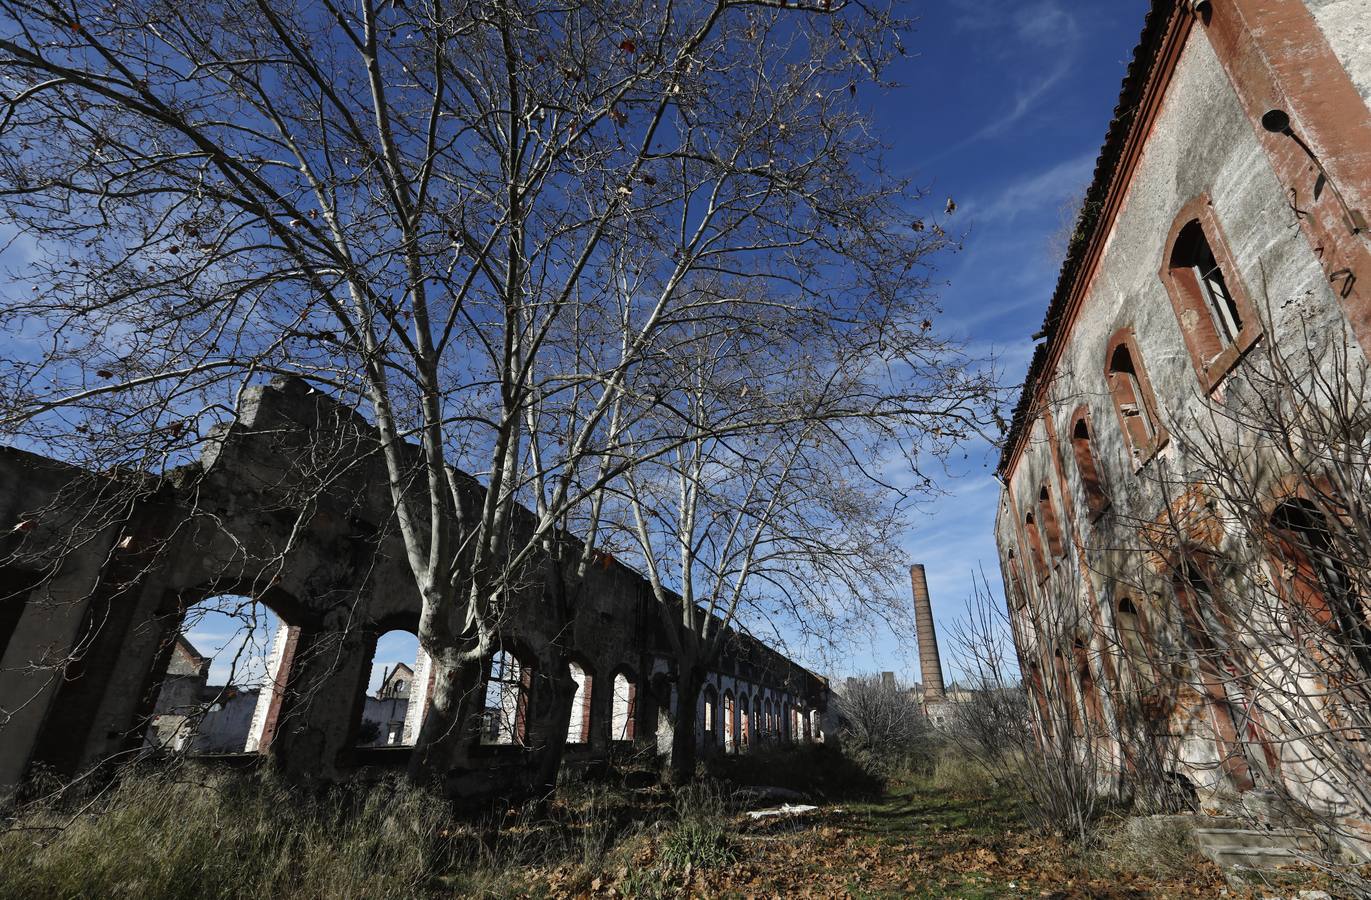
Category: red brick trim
[1178,27]
[1063,491]
[1097,499]
[1051,523]
[586,688]
[1143,447]
[279,681]
[1089,690]
[1031,568]
[1211,358]
[1276,57]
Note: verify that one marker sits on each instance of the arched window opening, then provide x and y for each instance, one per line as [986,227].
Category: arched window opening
[505,720]
[711,715]
[1096,500]
[1018,595]
[744,723]
[730,722]
[625,708]
[222,664]
[768,719]
[1215,314]
[1035,546]
[1247,755]
[1051,526]
[386,705]
[787,716]
[1094,709]
[578,728]
[1133,403]
[1193,264]
[1071,716]
[1312,575]
[1133,640]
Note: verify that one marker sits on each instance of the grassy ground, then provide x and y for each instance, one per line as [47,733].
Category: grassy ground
[918,840]
[191,832]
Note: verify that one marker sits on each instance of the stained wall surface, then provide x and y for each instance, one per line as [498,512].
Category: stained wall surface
[1188,141]
[287,506]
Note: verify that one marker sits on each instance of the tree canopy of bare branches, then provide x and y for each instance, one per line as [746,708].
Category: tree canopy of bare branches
[581,252]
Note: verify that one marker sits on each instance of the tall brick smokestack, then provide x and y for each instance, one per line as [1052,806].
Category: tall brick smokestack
[930,663]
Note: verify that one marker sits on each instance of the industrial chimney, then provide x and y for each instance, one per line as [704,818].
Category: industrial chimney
[930,664]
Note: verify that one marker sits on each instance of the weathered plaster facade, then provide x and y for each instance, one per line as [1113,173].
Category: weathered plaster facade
[1133,367]
[289,506]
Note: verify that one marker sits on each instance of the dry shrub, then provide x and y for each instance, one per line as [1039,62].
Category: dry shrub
[1161,847]
[958,773]
[195,832]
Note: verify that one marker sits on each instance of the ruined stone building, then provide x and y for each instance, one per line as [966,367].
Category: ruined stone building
[190,714]
[286,509]
[1180,527]
[384,714]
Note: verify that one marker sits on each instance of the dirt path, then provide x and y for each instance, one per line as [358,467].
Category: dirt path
[916,842]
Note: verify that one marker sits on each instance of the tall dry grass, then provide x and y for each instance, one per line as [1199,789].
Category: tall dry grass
[191,832]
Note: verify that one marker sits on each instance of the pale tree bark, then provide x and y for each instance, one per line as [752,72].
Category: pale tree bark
[778,515]
[482,223]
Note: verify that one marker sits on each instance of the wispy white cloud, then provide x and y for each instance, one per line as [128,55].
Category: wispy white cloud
[1025,100]
[1041,38]
[1046,25]
[1035,193]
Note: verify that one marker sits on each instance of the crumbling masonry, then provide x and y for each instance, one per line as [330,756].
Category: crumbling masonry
[1226,230]
[288,506]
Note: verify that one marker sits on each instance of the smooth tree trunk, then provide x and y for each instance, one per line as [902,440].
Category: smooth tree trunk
[561,691]
[448,729]
[684,742]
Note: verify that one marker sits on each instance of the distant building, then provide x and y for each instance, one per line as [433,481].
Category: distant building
[383,716]
[396,683]
[191,715]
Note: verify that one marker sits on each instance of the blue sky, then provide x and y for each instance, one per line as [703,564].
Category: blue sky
[1003,107]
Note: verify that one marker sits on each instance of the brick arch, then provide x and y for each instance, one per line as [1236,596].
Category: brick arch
[1218,672]
[709,699]
[1082,438]
[624,684]
[1050,522]
[1085,681]
[579,724]
[507,689]
[1035,546]
[729,720]
[1214,346]
[745,720]
[1135,403]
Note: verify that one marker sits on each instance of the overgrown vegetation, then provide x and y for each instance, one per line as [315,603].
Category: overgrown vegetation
[194,831]
[821,771]
[950,829]
[883,727]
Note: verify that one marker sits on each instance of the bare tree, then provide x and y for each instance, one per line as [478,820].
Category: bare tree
[775,514]
[882,723]
[1220,650]
[1257,573]
[482,223]
[1053,750]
